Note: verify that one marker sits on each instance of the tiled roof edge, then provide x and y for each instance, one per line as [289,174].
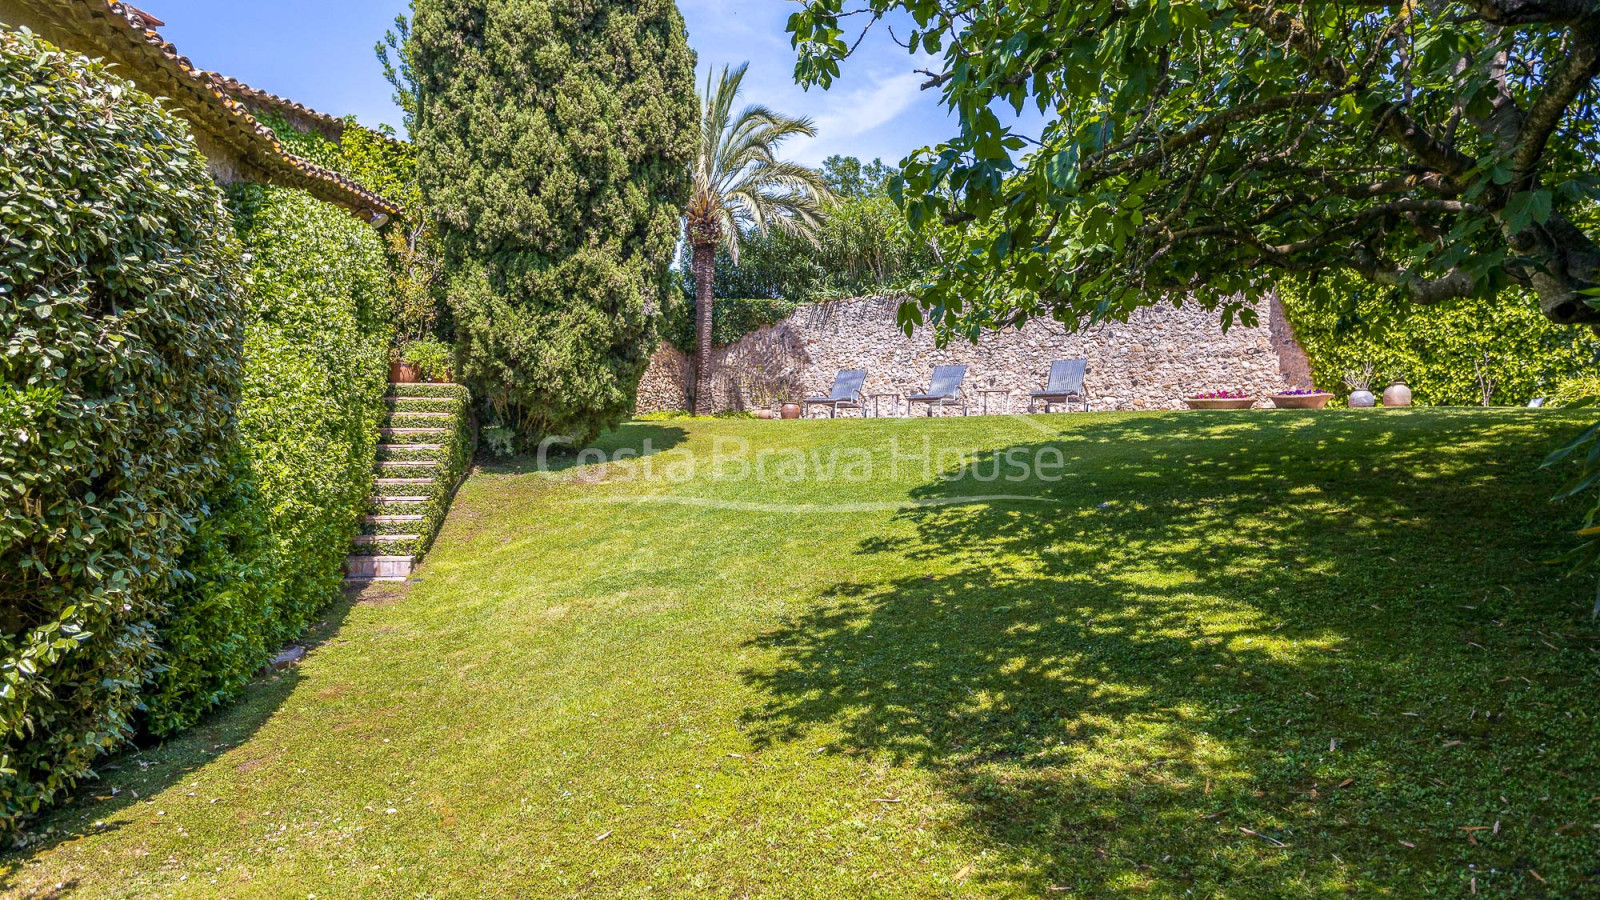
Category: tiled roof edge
[292,170]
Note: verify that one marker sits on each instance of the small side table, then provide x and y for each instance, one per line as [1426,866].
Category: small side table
[983,399]
[894,404]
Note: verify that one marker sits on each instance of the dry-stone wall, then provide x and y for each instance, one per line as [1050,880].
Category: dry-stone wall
[1160,355]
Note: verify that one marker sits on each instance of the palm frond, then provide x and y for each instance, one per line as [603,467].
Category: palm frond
[740,183]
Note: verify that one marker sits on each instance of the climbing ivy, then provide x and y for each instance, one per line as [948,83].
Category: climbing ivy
[1440,350]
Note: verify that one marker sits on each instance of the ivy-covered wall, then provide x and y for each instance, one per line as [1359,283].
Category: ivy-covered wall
[1438,350]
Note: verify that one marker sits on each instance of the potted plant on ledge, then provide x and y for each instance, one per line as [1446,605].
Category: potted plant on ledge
[425,360]
[1301,399]
[1220,400]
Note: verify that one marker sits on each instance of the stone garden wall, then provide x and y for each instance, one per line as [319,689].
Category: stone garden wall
[1159,356]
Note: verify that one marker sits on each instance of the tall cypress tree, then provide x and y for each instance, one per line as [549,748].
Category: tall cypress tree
[554,139]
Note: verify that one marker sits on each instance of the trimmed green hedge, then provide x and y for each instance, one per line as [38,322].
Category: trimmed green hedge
[121,316]
[731,319]
[316,350]
[1437,349]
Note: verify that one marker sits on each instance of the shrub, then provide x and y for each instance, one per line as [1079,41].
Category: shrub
[731,319]
[553,141]
[1438,350]
[316,355]
[1575,389]
[219,621]
[120,311]
[271,557]
[390,168]
[432,358]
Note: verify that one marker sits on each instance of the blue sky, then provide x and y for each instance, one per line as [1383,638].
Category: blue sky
[319,53]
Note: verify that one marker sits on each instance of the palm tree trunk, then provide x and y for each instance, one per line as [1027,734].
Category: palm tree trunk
[704,267]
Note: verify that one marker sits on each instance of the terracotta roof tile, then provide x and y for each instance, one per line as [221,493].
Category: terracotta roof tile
[212,100]
[259,99]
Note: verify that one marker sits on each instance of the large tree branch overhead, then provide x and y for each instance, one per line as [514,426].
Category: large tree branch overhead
[1437,149]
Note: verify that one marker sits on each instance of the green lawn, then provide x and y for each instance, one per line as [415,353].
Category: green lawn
[1243,655]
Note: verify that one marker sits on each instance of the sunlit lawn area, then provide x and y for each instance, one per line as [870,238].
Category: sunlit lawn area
[1243,655]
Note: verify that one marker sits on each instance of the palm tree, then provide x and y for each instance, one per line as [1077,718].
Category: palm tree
[740,185]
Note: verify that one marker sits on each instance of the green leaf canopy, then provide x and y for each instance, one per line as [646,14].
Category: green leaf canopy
[1206,148]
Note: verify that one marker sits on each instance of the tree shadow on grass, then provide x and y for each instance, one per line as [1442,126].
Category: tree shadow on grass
[640,439]
[1278,655]
[140,774]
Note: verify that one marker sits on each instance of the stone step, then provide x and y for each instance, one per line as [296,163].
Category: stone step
[391,431]
[391,448]
[401,418]
[392,520]
[409,463]
[425,390]
[397,501]
[406,384]
[377,568]
[402,405]
[397,482]
[367,540]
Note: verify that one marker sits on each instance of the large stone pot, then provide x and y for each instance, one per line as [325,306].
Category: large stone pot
[1362,400]
[1397,394]
[791,411]
[1220,402]
[1300,401]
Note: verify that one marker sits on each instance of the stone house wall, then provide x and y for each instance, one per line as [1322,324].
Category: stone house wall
[1162,354]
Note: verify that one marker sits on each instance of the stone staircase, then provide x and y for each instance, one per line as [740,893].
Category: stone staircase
[423,450]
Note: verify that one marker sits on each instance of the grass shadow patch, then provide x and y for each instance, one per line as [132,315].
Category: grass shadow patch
[1238,654]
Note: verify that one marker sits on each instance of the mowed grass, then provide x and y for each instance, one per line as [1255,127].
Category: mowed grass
[1267,654]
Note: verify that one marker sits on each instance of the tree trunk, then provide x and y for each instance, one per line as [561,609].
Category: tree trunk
[1567,265]
[704,267]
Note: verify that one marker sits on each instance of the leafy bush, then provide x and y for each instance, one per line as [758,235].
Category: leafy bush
[390,168]
[1575,389]
[121,316]
[731,319]
[1438,350]
[220,621]
[316,349]
[316,371]
[500,440]
[432,358]
[553,140]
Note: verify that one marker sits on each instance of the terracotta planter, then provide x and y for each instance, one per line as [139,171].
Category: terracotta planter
[765,414]
[1397,394]
[1220,402]
[1300,401]
[791,410]
[401,372]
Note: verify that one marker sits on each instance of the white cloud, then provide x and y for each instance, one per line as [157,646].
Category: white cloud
[854,113]
[864,109]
